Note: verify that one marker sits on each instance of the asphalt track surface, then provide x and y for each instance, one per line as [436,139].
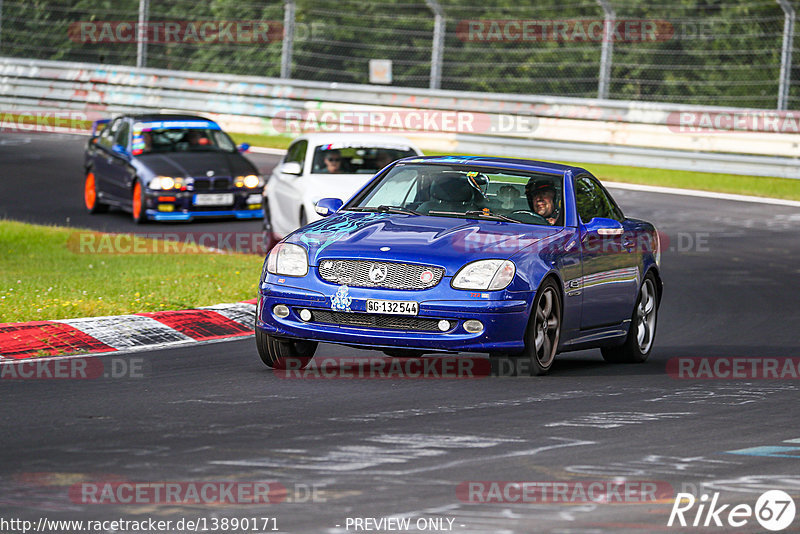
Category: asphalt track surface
[377,448]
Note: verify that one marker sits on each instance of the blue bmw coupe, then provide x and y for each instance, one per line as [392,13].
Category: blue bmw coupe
[516,258]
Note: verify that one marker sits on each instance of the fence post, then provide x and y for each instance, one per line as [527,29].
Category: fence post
[141,38]
[288,39]
[607,51]
[437,49]
[786,54]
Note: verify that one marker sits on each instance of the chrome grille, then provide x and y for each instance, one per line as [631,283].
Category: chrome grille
[385,322]
[356,273]
[210,185]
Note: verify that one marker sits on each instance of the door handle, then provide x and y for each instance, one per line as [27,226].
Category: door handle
[629,244]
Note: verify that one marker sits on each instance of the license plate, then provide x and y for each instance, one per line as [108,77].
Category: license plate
[213,199]
[393,307]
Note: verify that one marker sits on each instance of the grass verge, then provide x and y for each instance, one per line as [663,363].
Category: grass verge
[43,278]
[786,188]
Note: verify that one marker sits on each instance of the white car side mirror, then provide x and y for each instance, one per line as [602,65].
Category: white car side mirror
[291,167]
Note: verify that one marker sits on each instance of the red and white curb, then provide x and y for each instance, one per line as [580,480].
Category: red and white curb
[126,332]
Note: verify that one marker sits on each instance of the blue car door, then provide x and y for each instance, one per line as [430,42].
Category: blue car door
[610,270]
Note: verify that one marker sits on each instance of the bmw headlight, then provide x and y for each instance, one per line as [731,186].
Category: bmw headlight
[251,181]
[287,259]
[164,183]
[485,274]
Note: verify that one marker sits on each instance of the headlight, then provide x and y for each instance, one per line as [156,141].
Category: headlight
[287,259]
[160,183]
[250,181]
[485,274]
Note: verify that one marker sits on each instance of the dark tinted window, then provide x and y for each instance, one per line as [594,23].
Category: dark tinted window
[107,135]
[593,202]
[297,152]
[121,136]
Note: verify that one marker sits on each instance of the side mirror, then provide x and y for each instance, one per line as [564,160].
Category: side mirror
[603,226]
[120,150]
[244,147]
[291,167]
[328,206]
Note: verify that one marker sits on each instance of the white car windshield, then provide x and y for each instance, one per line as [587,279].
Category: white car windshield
[352,159]
[464,191]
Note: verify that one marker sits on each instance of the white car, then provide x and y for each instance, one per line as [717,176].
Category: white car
[310,171]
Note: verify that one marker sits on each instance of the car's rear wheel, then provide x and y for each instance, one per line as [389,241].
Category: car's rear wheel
[642,331]
[90,197]
[544,330]
[284,354]
[137,204]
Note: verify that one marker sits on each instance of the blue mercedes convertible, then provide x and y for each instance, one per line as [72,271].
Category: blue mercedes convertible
[516,258]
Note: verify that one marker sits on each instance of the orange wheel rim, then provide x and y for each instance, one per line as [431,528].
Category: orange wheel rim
[89,191]
[137,200]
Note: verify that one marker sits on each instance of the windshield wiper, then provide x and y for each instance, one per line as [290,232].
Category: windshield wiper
[396,209]
[386,209]
[475,213]
[489,215]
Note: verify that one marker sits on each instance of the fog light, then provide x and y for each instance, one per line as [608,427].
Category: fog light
[166,207]
[444,325]
[305,315]
[473,326]
[280,311]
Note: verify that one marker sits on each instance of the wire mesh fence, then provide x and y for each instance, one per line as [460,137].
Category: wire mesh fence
[694,52]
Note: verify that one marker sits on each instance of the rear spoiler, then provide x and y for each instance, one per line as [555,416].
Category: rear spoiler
[98,123]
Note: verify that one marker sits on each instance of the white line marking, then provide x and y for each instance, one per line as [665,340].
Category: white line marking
[265,150]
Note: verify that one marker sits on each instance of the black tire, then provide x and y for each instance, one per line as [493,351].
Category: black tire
[303,218]
[282,353]
[545,320]
[403,353]
[91,194]
[644,322]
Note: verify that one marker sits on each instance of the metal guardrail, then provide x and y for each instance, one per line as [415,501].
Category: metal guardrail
[34,84]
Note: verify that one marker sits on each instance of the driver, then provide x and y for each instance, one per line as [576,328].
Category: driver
[542,199]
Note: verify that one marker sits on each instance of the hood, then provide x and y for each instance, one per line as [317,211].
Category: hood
[188,164]
[447,242]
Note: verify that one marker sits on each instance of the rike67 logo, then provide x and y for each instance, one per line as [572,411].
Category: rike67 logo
[774,510]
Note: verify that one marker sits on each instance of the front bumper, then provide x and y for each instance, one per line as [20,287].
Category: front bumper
[504,316]
[179,206]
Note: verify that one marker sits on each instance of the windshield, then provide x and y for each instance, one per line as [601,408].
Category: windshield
[465,191]
[356,159]
[179,136]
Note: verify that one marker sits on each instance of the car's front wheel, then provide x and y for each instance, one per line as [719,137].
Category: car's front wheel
[544,330]
[642,331]
[90,197]
[284,354]
[137,204]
